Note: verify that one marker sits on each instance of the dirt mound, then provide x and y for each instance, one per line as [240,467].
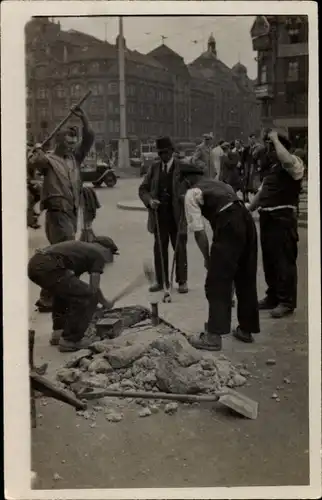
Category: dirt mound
[160,361]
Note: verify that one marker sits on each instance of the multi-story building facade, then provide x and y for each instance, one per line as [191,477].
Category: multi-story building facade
[164,95]
[281,43]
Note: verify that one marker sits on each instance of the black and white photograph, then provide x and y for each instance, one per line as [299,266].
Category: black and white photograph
[161,247]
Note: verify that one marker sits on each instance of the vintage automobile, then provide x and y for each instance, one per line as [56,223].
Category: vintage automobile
[98,172]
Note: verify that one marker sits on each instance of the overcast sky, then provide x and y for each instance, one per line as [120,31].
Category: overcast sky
[186,35]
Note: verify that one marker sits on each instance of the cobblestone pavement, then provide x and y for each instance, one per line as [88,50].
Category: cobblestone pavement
[271,450]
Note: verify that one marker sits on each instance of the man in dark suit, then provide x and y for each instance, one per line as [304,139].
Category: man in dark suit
[160,192]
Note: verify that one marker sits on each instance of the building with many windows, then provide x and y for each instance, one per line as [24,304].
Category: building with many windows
[165,96]
[281,43]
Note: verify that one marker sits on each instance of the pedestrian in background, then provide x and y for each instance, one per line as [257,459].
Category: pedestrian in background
[160,192]
[277,201]
[217,154]
[202,157]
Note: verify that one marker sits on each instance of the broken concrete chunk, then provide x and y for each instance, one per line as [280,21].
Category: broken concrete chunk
[101,346]
[113,416]
[125,356]
[145,412]
[274,396]
[171,408]
[73,361]
[236,381]
[286,380]
[100,365]
[68,375]
[172,377]
[84,363]
[177,347]
[154,408]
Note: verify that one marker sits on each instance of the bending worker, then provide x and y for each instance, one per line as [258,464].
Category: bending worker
[232,257]
[277,202]
[57,269]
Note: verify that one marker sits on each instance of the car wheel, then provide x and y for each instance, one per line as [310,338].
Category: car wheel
[110,180]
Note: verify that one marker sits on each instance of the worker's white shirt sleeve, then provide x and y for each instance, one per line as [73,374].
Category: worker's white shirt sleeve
[296,168]
[193,200]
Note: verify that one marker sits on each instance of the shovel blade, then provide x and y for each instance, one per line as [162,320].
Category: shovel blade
[240,404]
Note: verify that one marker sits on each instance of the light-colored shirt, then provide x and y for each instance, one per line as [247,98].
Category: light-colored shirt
[217,154]
[168,165]
[193,202]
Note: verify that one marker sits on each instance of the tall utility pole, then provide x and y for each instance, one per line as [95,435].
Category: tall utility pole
[123,146]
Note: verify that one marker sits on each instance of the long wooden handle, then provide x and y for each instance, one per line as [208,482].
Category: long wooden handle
[191,398]
[136,283]
[61,124]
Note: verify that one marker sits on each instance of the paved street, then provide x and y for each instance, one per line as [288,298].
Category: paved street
[199,446]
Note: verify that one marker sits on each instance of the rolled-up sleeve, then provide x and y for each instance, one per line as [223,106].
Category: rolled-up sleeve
[193,201]
[295,168]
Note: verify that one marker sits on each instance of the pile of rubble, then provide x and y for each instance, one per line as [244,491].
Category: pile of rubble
[149,358]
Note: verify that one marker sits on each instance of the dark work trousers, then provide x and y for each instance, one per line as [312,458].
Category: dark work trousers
[59,227]
[74,303]
[233,259]
[279,240]
[168,232]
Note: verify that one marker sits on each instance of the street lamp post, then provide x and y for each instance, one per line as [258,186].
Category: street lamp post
[123,145]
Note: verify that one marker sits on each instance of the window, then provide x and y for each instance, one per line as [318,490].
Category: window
[94,67]
[110,107]
[112,88]
[131,90]
[132,108]
[293,71]
[114,126]
[96,88]
[43,112]
[60,91]
[75,70]
[76,90]
[96,108]
[60,109]
[42,93]
[98,127]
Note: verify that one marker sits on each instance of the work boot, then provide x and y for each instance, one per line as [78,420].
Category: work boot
[55,337]
[183,288]
[70,346]
[281,310]
[266,304]
[156,288]
[246,337]
[206,342]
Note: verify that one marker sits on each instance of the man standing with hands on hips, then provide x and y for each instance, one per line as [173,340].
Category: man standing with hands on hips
[160,193]
[277,201]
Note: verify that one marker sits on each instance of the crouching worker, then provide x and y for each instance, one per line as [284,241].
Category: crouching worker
[232,257]
[57,269]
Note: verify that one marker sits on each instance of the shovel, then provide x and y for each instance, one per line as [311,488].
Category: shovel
[231,399]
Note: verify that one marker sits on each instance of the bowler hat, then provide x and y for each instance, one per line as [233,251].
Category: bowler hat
[164,143]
